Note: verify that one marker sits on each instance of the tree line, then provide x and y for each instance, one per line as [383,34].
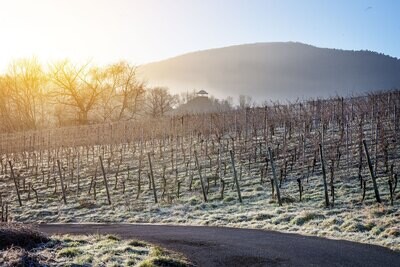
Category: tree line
[34,96]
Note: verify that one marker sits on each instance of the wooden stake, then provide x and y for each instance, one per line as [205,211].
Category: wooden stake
[201,179]
[324,175]
[371,170]
[235,176]
[105,180]
[15,183]
[278,194]
[62,182]
[152,179]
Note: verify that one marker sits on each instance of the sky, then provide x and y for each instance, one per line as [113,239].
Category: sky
[141,31]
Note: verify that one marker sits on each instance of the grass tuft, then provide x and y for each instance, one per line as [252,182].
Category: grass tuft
[113,237]
[69,252]
[305,217]
[137,243]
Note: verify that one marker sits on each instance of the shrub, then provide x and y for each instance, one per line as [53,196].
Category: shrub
[20,235]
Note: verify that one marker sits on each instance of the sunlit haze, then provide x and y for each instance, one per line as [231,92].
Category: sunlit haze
[144,31]
[200,133]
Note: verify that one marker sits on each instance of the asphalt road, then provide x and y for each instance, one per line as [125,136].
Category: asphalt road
[220,246]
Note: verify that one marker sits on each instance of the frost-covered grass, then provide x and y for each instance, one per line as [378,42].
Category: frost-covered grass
[90,250]
[349,218]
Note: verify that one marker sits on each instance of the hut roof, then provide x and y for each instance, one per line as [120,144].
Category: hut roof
[202,92]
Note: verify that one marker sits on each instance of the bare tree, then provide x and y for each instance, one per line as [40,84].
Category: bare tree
[5,106]
[78,87]
[22,95]
[185,97]
[159,101]
[244,101]
[125,94]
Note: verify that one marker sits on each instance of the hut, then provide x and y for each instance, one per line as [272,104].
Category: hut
[202,93]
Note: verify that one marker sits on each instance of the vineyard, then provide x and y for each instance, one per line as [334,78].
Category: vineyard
[320,167]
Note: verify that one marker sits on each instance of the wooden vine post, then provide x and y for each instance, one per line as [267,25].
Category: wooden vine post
[371,171]
[235,176]
[62,182]
[222,188]
[201,178]
[152,178]
[321,152]
[278,194]
[139,176]
[105,180]
[78,178]
[15,183]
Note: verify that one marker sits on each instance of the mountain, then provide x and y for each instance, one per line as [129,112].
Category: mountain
[275,71]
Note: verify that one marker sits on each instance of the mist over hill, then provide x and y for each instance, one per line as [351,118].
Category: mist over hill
[275,71]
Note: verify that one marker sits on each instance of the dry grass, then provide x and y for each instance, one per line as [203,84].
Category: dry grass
[19,257]
[68,250]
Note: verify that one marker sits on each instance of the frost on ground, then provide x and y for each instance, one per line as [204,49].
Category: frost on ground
[350,218]
[79,250]
[179,193]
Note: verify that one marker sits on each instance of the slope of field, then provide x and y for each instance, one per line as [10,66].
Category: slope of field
[349,219]
[276,71]
[191,176]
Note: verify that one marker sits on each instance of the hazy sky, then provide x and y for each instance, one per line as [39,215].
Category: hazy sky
[148,30]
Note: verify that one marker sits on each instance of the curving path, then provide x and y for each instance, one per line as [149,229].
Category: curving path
[220,246]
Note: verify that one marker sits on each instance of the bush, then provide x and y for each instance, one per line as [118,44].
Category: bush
[20,235]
